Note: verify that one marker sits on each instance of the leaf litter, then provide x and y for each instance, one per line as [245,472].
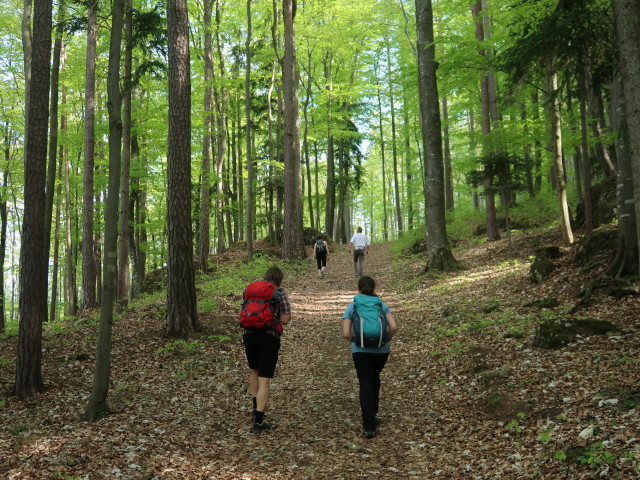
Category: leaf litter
[464,394]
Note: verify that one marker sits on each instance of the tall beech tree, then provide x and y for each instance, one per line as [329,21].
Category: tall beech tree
[439,255]
[182,315]
[97,404]
[33,261]
[89,268]
[292,238]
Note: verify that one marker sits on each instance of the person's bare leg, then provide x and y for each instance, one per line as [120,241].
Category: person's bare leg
[262,396]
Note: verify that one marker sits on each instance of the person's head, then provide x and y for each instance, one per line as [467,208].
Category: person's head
[319,237]
[367,285]
[359,230]
[274,275]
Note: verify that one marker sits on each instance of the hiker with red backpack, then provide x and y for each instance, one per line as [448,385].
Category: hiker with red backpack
[265,309]
[369,324]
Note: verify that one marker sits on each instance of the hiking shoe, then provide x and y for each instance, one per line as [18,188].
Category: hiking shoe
[369,434]
[259,427]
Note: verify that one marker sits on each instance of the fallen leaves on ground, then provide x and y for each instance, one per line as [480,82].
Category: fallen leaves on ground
[464,394]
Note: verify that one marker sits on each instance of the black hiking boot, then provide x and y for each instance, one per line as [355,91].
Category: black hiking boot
[259,427]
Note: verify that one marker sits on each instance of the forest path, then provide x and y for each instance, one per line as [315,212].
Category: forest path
[315,393]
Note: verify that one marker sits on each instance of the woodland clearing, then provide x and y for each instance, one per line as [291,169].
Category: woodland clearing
[464,395]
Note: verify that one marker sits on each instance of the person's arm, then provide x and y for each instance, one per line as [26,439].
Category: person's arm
[391,322]
[349,247]
[368,246]
[314,250]
[346,328]
[285,309]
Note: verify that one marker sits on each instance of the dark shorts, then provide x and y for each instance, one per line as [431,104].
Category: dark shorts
[321,260]
[262,353]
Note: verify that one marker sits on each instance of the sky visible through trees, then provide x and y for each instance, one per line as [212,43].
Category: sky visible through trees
[362,158]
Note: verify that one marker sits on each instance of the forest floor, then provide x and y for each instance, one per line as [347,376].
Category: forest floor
[464,394]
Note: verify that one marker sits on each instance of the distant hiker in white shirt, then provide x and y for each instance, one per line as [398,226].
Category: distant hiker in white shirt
[360,243]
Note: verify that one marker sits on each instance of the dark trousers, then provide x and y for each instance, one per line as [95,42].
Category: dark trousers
[368,367]
[358,261]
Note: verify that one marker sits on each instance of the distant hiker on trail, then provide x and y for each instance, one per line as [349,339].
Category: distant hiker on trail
[360,243]
[320,252]
[369,324]
[265,309]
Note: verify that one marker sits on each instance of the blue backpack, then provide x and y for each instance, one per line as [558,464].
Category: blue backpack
[368,321]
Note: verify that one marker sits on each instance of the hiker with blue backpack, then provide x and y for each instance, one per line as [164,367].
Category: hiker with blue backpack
[320,252]
[265,309]
[369,324]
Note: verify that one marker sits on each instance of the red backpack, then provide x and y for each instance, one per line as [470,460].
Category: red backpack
[258,307]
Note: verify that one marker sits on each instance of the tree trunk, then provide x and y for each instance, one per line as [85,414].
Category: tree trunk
[556,138]
[247,110]
[485,101]
[4,221]
[205,190]
[182,315]
[307,100]
[394,150]
[330,189]
[626,261]
[292,238]
[448,180]
[438,250]
[53,134]
[586,161]
[221,101]
[71,293]
[97,404]
[122,290]
[385,219]
[627,13]
[89,268]
[33,271]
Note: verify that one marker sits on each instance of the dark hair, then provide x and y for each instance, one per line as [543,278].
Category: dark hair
[274,275]
[359,230]
[367,286]
[320,237]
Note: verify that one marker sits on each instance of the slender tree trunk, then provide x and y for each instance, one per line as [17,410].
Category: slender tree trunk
[4,221]
[56,247]
[292,238]
[122,289]
[71,293]
[408,168]
[221,101]
[307,100]
[627,13]
[556,136]
[586,161]
[394,150]
[98,405]
[205,191]
[438,250]
[247,110]
[330,190]
[448,180]
[182,315]
[89,268]
[33,294]
[385,219]
[485,101]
